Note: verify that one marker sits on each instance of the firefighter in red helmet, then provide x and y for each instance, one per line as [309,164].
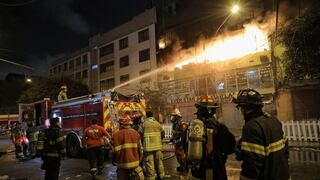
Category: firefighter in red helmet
[127,150]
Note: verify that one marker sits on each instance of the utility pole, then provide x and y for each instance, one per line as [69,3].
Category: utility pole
[273,42]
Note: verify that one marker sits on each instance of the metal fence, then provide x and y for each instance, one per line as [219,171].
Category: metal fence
[302,130]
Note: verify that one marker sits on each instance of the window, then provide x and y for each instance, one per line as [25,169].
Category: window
[107,84]
[144,55]
[85,59]
[78,61]
[84,74]
[143,35]
[55,70]
[123,43]
[124,61]
[105,50]
[106,66]
[71,76]
[71,64]
[59,68]
[253,78]
[78,75]
[124,78]
[51,72]
[65,66]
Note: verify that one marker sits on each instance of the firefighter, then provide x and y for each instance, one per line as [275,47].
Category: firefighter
[264,149]
[136,120]
[179,139]
[54,150]
[93,139]
[63,93]
[127,151]
[209,142]
[152,145]
[17,139]
[32,135]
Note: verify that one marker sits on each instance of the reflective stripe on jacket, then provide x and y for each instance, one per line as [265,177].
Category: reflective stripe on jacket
[152,133]
[127,148]
[264,149]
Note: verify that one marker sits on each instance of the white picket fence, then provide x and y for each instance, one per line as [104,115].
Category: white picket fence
[294,130]
[167,131]
[302,130]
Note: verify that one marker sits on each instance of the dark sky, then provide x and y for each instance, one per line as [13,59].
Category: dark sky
[40,31]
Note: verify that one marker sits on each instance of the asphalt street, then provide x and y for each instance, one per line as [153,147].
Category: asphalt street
[304,165]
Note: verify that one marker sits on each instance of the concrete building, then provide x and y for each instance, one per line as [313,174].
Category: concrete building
[118,56]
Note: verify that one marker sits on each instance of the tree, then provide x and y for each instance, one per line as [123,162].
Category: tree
[50,88]
[302,47]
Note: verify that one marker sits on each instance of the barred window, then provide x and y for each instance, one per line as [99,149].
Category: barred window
[71,64]
[123,43]
[124,61]
[106,66]
[85,74]
[124,78]
[105,50]
[85,59]
[65,66]
[78,75]
[78,61]
[143,35]
[144,55]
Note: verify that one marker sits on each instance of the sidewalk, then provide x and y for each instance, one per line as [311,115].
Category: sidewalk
[6,145]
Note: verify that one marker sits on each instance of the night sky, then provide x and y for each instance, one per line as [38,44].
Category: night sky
[39,31]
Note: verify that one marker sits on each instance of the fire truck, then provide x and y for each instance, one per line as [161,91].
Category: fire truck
[76,114]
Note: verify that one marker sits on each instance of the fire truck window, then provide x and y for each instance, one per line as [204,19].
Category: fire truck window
[37,115]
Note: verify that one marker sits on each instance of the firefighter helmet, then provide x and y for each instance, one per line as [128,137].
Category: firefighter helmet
[206,101]
[125,120]
[176,112]
[63,87]
[248,97]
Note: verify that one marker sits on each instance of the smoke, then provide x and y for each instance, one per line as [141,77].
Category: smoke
[41,64]
[62,13]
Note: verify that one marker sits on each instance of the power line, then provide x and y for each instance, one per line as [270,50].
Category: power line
[17,64]
[17,4]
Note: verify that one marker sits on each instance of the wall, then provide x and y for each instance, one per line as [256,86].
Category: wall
[284,105]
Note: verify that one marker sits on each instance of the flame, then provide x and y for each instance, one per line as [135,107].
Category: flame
[248,41]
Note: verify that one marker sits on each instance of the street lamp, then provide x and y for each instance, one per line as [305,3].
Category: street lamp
[28,80]
[234,10]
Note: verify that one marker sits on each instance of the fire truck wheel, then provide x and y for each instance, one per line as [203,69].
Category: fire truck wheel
[73,146]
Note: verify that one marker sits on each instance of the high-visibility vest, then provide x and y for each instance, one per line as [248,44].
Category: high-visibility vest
[152,135]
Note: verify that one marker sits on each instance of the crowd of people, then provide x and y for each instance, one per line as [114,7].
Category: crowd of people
[201,145]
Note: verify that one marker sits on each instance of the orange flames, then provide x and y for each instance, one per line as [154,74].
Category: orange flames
[250,40]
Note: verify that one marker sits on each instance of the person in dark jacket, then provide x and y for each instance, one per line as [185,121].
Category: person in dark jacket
[54,150]
[264,149]
[219,143]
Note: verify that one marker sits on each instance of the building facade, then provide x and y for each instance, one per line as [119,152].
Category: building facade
[117,57]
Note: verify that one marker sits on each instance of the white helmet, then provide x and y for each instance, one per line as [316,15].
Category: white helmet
[176,112]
